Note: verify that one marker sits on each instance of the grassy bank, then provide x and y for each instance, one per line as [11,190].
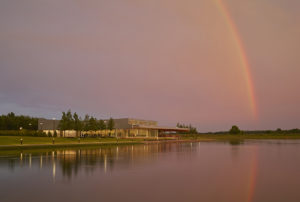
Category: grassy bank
[65,146]
[13,142]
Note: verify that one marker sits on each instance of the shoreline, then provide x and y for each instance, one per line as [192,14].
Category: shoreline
[204,138]
[68,145]
[74,145]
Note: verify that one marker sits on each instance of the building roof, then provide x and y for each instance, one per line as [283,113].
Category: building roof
[161,128]
[48,124]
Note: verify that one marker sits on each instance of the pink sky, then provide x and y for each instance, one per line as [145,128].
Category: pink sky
[166,60]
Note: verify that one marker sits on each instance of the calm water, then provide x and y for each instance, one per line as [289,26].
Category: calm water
[252,171]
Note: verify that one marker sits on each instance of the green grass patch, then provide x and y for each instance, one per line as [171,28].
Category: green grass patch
[27,140]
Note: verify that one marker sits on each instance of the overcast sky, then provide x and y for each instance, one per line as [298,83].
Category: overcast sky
[165,60]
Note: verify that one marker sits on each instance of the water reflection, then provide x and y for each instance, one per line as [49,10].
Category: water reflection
[208,171]
[105,159]
[236,142]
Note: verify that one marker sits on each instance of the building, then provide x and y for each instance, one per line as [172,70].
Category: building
[124,128]
[48,125]
[128,127]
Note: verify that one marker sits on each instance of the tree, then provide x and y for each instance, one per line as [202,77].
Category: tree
[234,130]
[78,126]
[55,134]
[179,125]
[101,125]
[93,124]
[63,124]
[193,130]
[13,122]
[2,123]
[86,123]
[70,120]
[110,124]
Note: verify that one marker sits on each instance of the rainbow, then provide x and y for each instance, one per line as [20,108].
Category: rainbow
[242,55]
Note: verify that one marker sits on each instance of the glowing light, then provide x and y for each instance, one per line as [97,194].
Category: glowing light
[54,172]
[105,163]
[41,161]
[117,152]
[29,160]
[242,55]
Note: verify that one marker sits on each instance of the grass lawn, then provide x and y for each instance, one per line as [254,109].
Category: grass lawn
[27,140]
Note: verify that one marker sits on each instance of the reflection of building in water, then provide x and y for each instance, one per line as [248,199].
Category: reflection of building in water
[41,162]
[53,171]
[106,159]
[110,158]
[123,128]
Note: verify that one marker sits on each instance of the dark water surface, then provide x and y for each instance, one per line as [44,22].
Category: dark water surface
[207,171]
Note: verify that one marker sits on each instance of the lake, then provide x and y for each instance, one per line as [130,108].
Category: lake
[263,170]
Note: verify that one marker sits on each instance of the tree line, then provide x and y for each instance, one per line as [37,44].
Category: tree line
[14,122]
[192,130]
[236,130]
[71,121]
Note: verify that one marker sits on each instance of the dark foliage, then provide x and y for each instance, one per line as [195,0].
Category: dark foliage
[235,130]
[192,130]
[13,122]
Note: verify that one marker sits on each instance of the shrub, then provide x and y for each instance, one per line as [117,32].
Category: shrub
[17,133]
[234,130]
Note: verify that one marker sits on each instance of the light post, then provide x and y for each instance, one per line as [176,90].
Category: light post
[21,140]
[53,125]
[21,130]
